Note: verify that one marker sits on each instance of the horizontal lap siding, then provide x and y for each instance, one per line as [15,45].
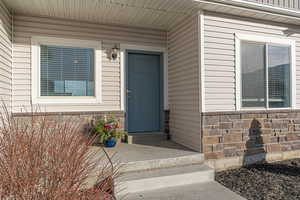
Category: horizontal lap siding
[290,4]
[184,83]
[5,55]
[25,27]
[219,56]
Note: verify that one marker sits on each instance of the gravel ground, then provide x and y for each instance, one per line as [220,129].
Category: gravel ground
[274,181]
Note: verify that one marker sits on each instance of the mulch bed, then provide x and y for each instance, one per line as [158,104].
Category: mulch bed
[270,181]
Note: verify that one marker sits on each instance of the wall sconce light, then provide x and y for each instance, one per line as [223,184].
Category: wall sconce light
[114,52]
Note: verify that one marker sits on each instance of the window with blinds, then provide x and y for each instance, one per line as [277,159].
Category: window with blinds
[266,75]
[67,71]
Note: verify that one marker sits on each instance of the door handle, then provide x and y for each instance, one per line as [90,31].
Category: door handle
[128,93]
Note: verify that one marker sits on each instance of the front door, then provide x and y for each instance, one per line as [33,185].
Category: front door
[143,92]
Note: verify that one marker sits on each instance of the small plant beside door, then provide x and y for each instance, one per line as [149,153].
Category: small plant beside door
[108,131]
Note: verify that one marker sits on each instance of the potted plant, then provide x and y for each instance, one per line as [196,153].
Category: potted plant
[109,132]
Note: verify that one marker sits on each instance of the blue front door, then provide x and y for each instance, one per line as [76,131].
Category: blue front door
[143,92]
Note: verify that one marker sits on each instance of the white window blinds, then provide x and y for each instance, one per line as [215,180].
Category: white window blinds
[67,71]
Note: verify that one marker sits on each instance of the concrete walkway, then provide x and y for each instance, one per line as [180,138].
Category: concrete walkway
[204,191]
[164,170]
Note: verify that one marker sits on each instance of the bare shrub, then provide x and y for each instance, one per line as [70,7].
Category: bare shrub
[46,159]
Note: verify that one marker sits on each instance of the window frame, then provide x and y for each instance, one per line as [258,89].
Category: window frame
[239,38]
[36,42]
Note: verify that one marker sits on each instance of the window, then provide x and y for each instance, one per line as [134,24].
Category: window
[253,75]
[265,67]
[65,71]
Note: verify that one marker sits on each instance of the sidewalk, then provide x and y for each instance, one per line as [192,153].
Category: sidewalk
[204,191]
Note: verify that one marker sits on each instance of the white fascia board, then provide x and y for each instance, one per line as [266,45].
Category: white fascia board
[254,6]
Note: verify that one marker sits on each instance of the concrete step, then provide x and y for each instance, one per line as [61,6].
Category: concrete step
[146,138]
[142,181]
[200,191]
[196,158]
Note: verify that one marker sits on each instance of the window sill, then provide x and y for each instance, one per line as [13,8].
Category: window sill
[265,109]
[66,100]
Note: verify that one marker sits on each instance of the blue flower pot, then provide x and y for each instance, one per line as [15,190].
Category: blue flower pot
[110,143]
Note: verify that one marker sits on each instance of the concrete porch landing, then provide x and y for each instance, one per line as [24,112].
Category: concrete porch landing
[142,152]
[161,154]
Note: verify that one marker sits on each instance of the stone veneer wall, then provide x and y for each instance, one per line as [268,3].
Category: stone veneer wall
[246,137]
[85,118]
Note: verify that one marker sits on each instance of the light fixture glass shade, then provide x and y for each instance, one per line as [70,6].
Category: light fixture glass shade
[114,53]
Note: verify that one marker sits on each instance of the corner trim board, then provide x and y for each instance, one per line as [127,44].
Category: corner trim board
[201,59]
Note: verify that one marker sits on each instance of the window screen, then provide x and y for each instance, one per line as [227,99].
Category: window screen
[279,76]
[67,71]
[253,75]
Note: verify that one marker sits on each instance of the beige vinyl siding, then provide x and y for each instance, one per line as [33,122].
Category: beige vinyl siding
[219,55]
[184,83]
[290,4]
[5,55]
[25,27]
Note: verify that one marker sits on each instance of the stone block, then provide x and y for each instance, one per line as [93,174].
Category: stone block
[227,163]
[274,139]
[290,155]
[232,139]
[279,124]
[247,123]
[278,115]
[297,127]
[294,115]
[214,155]
[235,132]
[255,131]
[211,132]
[275,156]
[218,147]
[266,131]
[211,140]
[240,146]
[265,139]
[207,148]
[226,125]
[292,137]
[252,159]
[254,151]
[286,147]
[230,117]
[291,127]
[254,116]
[296,121]
[238,124]
[296,146]
[230,152]
[211,120]
[273,148]
[282,139]
[211,126]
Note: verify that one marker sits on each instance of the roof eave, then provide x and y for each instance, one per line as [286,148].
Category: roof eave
[281,14]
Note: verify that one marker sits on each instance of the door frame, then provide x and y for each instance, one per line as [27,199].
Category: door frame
[124,49]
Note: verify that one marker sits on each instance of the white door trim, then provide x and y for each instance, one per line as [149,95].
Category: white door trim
[123,48]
